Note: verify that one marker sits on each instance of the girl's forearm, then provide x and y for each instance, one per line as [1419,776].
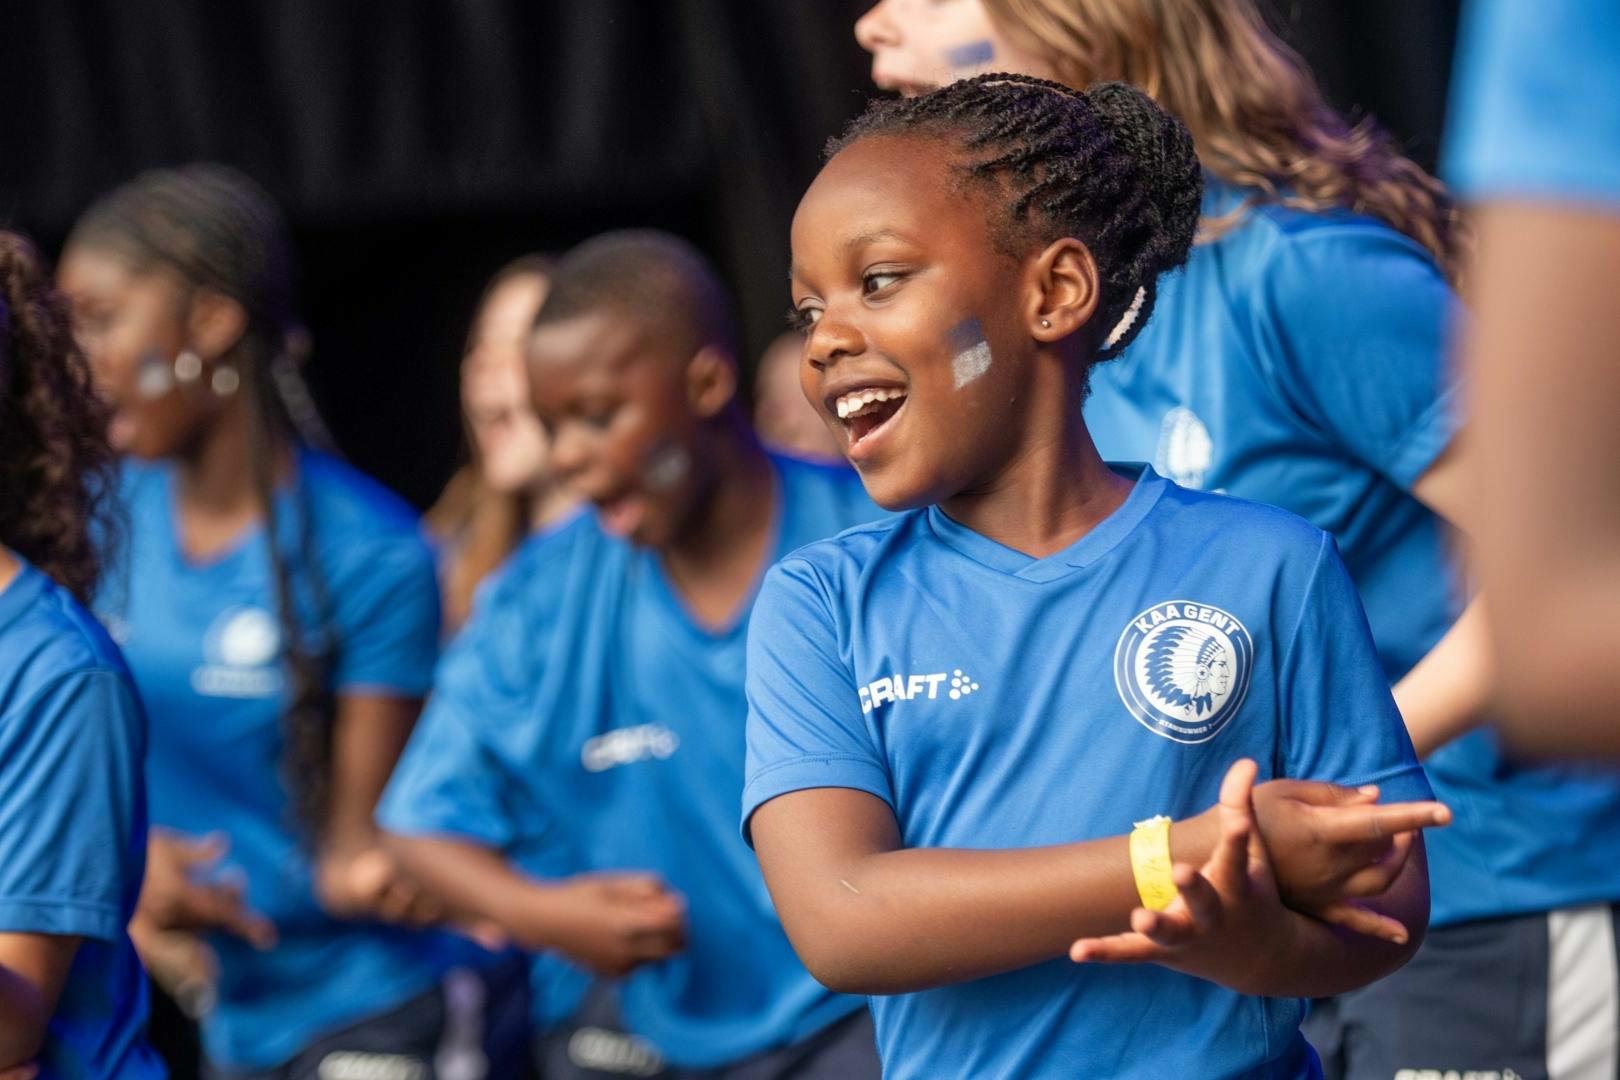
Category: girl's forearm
[916,918]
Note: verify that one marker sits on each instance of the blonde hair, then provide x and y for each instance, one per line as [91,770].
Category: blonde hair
[477,525]
[1255,112]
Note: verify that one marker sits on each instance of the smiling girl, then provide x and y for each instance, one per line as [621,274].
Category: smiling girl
[957,714]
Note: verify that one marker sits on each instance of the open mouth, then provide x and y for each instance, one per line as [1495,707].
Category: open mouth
[865,412]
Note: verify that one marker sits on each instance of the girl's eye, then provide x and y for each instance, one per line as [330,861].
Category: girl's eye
[803,318]
[598,416]
[878,280]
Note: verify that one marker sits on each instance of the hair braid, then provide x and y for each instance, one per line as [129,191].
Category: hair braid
[1106,166]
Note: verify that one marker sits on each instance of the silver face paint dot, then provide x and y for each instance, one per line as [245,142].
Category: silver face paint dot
[225,381]
[153,378]
[668,468]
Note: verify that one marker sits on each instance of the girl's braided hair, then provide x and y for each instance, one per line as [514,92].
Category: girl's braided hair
[1106,166]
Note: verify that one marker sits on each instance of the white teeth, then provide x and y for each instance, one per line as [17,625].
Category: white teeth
[857,401]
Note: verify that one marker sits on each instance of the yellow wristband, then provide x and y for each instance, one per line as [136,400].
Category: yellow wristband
[1150,862]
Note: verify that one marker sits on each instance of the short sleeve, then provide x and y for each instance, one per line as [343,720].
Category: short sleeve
[1533,102]
[387,615]
[72,808]
[1353,323]
[805,724]
[1340,721]
[451,778]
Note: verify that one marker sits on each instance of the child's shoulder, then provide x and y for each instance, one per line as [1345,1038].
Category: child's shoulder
[1216,521]
[854,549]
[56,637]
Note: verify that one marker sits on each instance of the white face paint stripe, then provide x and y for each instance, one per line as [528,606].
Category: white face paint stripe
[970,364]
[973,357]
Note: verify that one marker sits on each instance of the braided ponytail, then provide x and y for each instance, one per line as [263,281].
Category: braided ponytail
[1106,166]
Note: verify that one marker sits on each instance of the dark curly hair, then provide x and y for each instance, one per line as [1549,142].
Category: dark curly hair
[216,229]
[1106,166]
[58,474]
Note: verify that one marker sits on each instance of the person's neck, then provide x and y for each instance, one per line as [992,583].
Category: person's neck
[720,552]
[10,567]
[546,503]
[216,490]
[1053,490]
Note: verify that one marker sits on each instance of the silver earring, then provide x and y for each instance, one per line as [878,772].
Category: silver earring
[187,366]
[1046,324]
[225,380]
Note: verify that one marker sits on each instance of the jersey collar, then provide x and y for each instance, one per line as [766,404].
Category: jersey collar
[1107,535]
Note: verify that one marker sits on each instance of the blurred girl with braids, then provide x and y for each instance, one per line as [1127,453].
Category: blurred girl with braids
[280,615]
[956,714]
[72,732]
[1299,360]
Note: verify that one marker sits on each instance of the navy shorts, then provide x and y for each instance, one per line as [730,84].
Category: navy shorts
[594,1045]
[472,1026]
[1534,997]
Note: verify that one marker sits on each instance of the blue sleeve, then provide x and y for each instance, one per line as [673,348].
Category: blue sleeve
[1352,323]
[805,724]
[451,778]
[1339,720]
[1535,101]
[72,808]
[387,616]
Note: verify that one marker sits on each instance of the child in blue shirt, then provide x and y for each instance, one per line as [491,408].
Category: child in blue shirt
[956,715]
[574,778]
[279,612]
[1533,143]
[72,734]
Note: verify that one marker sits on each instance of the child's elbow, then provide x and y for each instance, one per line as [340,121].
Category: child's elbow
[839,961]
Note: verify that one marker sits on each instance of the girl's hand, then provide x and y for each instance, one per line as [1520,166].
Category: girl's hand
[1331,845]
[173,897]
[365,881]
[1228,924]
[608,923]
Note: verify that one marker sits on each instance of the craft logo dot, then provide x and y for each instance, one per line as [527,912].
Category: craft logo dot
[1182,669]
[953,685]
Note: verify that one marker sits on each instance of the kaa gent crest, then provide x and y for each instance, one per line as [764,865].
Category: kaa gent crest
[1182,669]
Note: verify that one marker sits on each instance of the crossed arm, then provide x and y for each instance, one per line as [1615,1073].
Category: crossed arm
[868,915]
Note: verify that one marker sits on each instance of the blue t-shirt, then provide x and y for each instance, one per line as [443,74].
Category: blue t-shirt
[1300,361]
[615,724]
[1533,109]
[73,822]
[204,643]
[995,700]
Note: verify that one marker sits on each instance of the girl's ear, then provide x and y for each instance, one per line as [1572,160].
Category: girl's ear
[1063,291]
[214,324]
[711,382]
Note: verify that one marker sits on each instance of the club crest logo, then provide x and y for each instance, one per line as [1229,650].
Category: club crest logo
[1182,669]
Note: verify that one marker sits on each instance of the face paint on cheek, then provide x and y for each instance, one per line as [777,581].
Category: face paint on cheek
[154,377]
[667,467]
[971,352]
[970,54]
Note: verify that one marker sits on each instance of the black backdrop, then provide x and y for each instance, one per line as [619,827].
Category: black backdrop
[418,144]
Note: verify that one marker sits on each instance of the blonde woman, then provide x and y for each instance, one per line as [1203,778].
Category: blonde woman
[501,494]
[1299,360]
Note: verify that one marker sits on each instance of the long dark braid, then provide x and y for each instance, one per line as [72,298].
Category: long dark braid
[1106,166]
[218,230]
